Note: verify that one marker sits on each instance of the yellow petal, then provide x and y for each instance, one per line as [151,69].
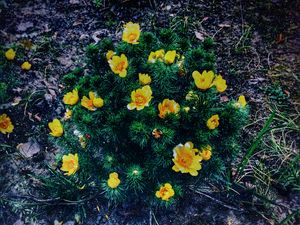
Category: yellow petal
[26,66]
[10,54]
[131,106]
[98,102]
[242,101]
[170,57]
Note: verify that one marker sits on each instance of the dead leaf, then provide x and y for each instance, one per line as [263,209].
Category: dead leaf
[84,37]
[56,222]
[204,19]
[17,89]
[26,43]
[52,92]
[74,1]
[65,60]
[287,93]
[224,25]
[224,98]
[97,35]
[77,217]
[77,22]
[69,223]
[37,117]
[47,29]
[280,39]
[30,116]
[29,148]
[16,101]
[19,222]
[199,35]
[24,26]
[48,98]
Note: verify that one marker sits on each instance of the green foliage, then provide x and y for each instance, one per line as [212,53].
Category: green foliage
[274,169]
[244,43]
[97,3]
[135,178]
[8,78]
[276,94]
[138,144]
[70,79]
[283,157]
[253,147]
[3,91]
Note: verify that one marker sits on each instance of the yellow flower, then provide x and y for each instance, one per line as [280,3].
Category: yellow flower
[70,164]
[93,102]
[98,102]
[170,57]
[160,53]
[144,79]
[68,114]
[241,103]
[220,83]
[203,81]
[206,153]
[165,192]
[213,122]
[71,98]
[186,160]
[113,180]
[186,109]
[156,133]
[131,33]
[26,66]
[118,65]
[56,128]
[152,57]
[140,98]
[10,54]
[168,106]
[6,125]
[157,55]
[191,96]
[110,54]
[82,141]
[180,64]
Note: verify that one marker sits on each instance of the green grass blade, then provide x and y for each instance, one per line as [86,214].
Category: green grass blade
[289,217]
[251,150]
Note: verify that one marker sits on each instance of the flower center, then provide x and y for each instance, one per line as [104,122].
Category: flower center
[140,100]
[205,153]
[171,108]
[120,66]
[163,191]
[132,37]
[214,122]
[71,164]
[90,103]
[56,129]
[185,160]
[72,97]
[4,124]
[202,80]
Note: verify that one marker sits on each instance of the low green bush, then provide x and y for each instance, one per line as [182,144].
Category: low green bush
[144,120]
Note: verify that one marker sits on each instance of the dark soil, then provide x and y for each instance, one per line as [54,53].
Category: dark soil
[258,43]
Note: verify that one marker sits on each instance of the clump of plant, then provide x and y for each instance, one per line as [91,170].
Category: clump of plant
[10,60]
[145,121]
[276,94]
